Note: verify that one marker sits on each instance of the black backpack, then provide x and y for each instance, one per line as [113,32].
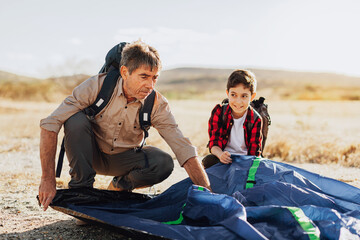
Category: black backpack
[111,66]
[260,109]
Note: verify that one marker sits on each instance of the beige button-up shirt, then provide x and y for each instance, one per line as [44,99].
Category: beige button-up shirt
[117,126]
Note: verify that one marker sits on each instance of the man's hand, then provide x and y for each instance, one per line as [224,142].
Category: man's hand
[197,173]
[47,188]
[225,157]
[47,192]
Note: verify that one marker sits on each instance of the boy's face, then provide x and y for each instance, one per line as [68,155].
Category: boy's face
[239,99]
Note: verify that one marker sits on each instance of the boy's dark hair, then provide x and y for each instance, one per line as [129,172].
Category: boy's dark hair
[137,54]
[244,77]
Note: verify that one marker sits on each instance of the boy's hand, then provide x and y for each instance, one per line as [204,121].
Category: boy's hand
[225,157]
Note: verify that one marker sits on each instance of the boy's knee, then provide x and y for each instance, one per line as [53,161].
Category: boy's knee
[209,161]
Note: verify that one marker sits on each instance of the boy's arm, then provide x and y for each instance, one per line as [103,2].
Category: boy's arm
[223,156]
[216,151]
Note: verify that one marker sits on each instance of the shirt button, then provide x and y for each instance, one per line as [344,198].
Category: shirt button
[231,123]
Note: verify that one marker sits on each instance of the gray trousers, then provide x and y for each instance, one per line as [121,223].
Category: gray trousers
[210,160]
[129,168]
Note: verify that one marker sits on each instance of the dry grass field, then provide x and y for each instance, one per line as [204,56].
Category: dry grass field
[322,136]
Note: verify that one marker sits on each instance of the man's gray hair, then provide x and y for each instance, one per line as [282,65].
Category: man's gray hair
[137,54]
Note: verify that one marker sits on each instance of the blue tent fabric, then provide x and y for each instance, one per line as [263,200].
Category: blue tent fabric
[285,202]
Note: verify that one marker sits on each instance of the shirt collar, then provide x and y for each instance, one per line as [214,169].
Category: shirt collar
[228,112]
[120,91]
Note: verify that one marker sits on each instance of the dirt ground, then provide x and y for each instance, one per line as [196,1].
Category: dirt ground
[22,218]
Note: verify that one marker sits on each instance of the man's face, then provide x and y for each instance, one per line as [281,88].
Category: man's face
[239,99]
[140,83]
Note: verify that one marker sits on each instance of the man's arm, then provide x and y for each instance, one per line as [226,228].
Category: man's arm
[164,121]
[47,188]
[197,173]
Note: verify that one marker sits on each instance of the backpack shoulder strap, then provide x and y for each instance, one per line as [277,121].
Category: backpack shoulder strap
[101,101]
[224,105]
[145,116]
[223,110]
[250,125]
[256,115]
[111,66]
[145,111]
[104,95]
[60,159]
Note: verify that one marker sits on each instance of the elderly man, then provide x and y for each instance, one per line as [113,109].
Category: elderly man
[105,145]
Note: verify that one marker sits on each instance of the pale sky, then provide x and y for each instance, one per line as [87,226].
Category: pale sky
[43,38]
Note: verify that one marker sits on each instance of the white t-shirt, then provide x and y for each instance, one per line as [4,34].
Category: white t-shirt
[236,143]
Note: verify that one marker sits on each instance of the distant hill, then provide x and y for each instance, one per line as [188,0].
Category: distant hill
[199,82]
[216,78]
[68,83]
[19,87]
[11,77]
[275,84]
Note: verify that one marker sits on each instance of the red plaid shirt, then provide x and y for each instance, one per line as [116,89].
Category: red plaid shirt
[219,131]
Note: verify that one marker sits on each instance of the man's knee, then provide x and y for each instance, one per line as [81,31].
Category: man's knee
[160,167]
[166,164]
[163,165]
[77,123]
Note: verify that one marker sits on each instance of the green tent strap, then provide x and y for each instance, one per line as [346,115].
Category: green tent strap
[252,171]
[305,223]
[177,221]
[181,218]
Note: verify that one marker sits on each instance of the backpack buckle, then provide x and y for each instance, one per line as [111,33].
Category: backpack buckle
[90,113]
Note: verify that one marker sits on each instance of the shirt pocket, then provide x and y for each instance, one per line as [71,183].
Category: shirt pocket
[101,124]
[131,133]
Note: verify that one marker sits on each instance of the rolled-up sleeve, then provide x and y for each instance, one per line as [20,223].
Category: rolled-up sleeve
[82,96]
[164,122]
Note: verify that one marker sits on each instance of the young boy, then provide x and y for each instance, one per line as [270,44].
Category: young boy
[229,134]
